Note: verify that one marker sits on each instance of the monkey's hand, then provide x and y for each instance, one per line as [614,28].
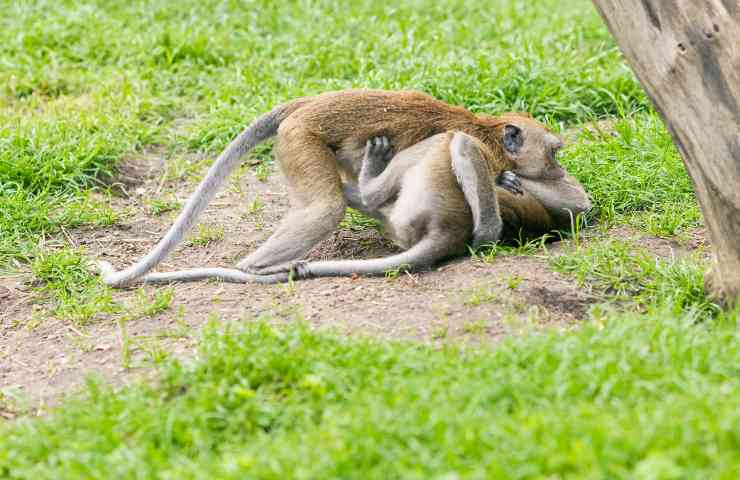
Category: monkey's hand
[510,182]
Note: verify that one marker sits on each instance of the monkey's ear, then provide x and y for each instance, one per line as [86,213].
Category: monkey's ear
[513,138]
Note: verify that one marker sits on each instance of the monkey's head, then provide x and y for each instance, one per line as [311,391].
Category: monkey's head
[530,146]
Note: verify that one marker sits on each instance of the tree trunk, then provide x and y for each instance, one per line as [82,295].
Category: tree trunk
[686,54]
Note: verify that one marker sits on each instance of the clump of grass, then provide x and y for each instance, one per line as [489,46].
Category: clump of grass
[78,295]
[511,247]
[635,175]
[160,207]
[356,221]
[480,294]
[628,273]
[206,235]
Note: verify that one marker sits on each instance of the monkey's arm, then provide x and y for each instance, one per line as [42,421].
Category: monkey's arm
[380,179]
[477,180]
[563,198]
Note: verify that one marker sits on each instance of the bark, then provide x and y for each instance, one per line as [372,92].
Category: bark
[686,54]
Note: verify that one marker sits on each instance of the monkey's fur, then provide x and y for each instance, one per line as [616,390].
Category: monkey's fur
[320,147]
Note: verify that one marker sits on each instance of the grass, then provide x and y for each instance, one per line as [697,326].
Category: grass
[89,83]
[635,175]
[629,273]
[637,397]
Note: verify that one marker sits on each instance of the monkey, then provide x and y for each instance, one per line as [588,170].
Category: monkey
[429,199]
[320,148]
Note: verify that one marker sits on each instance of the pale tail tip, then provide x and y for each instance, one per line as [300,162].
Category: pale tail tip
[107,273]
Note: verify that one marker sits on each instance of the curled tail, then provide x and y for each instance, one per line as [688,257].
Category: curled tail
[258,131]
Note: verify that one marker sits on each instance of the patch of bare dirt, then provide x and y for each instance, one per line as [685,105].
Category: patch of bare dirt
[463,301]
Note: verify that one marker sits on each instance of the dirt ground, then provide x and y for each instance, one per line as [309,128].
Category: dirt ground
[464,301]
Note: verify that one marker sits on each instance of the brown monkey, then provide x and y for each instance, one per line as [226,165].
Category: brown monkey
[320,149]
[432,196]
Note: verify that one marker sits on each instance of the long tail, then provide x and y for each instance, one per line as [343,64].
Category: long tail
[258,131]
[230,275]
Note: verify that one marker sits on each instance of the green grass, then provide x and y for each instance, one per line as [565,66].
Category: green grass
[635,175]
[646,397]
[67,281]
[626,272]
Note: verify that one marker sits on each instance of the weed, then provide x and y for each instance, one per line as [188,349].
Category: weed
[261,172]
[255,206]
[479,295]
[78,295]
[160,207]
[474,327]
[207,234]
[356,221]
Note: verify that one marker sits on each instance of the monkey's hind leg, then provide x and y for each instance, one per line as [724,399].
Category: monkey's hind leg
[424,255]
[477,181]
[317,207]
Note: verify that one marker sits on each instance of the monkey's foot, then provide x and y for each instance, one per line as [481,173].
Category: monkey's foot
[510,182]
[486,234]
[294,267]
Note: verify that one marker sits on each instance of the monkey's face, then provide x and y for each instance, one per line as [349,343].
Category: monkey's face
[531,147]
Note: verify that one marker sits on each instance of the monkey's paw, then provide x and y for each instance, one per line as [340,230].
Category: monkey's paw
[296,268]
[510,182]
[485,234]
[379,148]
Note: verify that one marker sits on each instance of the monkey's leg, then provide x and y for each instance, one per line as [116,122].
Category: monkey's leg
[477,182]
[431,249]
[352,195]
[317,204]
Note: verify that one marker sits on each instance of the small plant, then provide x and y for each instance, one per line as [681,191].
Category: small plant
[160,207]
[513,281]
[357,222]
[479,295]
[255,206]
[261,172]
[78,294]
[207,234]
[475,327]
[394,273]
[488,252]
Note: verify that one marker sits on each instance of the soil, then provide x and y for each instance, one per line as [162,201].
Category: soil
[463,301]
